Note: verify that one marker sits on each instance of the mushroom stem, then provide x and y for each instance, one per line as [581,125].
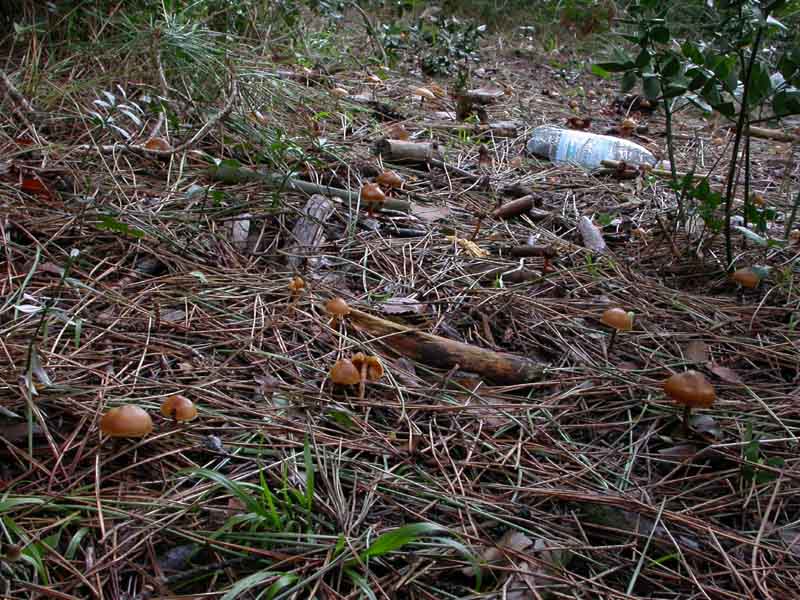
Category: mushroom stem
[611,341]
[687,413]
[477,229]
[361,384]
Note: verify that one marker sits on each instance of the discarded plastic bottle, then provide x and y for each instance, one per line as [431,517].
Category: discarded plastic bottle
[585,149]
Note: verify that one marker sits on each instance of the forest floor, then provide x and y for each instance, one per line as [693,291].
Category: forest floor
[130,276]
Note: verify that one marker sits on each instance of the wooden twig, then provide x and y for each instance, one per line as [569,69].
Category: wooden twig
[442,353]
[309,230]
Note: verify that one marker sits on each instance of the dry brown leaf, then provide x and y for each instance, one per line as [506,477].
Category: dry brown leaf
[429,214]
[727,375]
[469,246]
[697,351]
[400,306]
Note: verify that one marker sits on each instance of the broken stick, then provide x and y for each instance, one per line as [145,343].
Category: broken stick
[442,353]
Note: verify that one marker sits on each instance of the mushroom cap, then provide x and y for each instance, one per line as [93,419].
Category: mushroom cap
[691,389]
[374,368]
[344,372]
[337,307]
[746,277]
[371,193]
[157,143]
[126,421]
[296,284]
[389,179]
[424,93]
[372,78]
[618,319]
[397,132]
[179,408]
[340,92]
[629,123]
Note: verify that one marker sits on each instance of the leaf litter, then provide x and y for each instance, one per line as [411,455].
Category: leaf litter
[187,292]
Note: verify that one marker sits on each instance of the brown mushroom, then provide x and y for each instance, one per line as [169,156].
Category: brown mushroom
[627,127]
[619,320]
[372,196]
[179,408]
[296,285]
[369,369]
[337,308]
[389,180]
[340,92]
[747,278]
[692,390]
[126,421]
[424,94]
[344,372]
[397,132]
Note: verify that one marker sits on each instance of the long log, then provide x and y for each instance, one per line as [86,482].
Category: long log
[436,351]
[231,174]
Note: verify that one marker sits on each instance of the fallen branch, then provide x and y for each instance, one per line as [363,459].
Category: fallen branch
[442,353]
[776,135]
[308,232]
[230,174]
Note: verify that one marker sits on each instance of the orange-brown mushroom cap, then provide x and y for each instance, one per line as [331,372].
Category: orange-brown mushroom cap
[690,389]
[126,421]
[618,319]
[337,307]
[296,284]
[179,408]
[344,372]
[389,179]
[746,277]
[371,366]
[371,194]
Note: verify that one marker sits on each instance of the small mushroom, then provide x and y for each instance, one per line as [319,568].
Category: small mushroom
[179,408]
[369,369]
[344,372]
[389,180]
[627,127]
[692,390]
[397,132]
[337,308]
[340,92]
[424,94]
[619,320]
[126,421]
[372,196]
[157,143]
[296,286]
[747,277]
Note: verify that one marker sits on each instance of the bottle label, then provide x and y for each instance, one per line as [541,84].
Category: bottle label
[585,149]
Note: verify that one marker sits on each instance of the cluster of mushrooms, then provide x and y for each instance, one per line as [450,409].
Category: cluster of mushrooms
[356,370]
[131,421]
[373,195]
[690,389]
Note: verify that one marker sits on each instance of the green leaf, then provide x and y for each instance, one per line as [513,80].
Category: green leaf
[361,583]
[644,58]
[10,503]
[786,102]
[108,223]
[600,71]
[692,52]
[671,67]
[697,78]
[673,91]
[235,488]
[616,67]
[628,81]
[660,34]
[309,464]
[389,542]
[75,543]
[651,86]
[249,582]
[760,84]
[282,583]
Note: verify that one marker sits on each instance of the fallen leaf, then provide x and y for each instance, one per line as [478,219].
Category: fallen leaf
[36,187]
[429,214]
[399,306]
[697,351]
[679,451]
[469,246]
[727,375]
[706,424]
